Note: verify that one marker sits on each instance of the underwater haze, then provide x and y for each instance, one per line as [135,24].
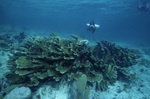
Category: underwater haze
[111,62]
[120,20]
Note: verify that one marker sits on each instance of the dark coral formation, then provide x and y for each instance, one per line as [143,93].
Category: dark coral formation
[5,40]
[40,59]
[20,37]
[8,40]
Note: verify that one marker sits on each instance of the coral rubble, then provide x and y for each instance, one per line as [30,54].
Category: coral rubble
[40,59]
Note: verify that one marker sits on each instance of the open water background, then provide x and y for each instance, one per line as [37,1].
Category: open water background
[120,20]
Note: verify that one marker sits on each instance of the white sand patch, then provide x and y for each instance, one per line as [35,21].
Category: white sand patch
[49,92]
[118,91]
[3,69]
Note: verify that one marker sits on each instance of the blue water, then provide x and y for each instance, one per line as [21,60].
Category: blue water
[120,20]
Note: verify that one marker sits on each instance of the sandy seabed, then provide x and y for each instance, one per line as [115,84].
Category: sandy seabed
[120,90]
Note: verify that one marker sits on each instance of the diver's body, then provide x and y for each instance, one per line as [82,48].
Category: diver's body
[144,6]
[92,26]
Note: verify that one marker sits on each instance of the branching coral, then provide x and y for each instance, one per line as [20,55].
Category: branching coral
[55,58]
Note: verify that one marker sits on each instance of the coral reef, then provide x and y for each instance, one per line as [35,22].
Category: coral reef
[20,37]
[8,40]
[40,59]
[5,40]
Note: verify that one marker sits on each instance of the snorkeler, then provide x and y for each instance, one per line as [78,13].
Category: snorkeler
[92,26]
[144,6]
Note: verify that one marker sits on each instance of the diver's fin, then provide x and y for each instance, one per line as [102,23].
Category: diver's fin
[93,31]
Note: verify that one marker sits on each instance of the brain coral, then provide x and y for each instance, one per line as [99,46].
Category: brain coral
[55,58]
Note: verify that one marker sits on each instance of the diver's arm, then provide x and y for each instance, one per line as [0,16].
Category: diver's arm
[97,26]
[87,24]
